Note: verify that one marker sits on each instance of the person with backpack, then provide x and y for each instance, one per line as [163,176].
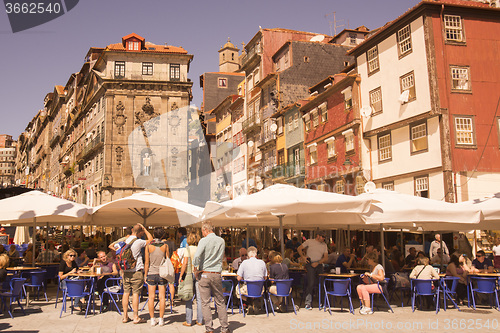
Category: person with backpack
[156,252]
[130,262]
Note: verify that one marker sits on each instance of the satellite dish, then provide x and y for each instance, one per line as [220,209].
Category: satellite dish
[228,188]
[260,186]
[317,38]
[250,144]
[274,127]
[366,111]
[370,187]
[250,182]
[258,179]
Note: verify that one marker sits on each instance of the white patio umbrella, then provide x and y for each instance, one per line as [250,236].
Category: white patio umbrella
[285,204]
[490,206]
[21,235]
[149,208]
[34,207]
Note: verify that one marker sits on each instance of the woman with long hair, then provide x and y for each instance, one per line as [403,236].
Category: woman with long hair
[156,252]
[67,267]
[456,268]
[371,286]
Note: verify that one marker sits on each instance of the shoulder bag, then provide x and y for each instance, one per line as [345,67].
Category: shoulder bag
[167,270]
[186,287]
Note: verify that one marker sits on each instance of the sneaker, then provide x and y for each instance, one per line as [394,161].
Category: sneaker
[153,322]
[297,308]
[160,322]
[308,307]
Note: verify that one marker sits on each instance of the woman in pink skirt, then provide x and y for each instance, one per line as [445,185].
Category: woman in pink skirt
[370,286]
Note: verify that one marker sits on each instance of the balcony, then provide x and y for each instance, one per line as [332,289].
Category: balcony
[279,171]
[55,136]
[268,139]
[290,170]
[251,123]
[95,144]
[251,56]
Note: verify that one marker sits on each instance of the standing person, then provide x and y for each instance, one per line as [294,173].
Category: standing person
[133,278]
[187,268]
[496,253]
[171,249]
[108,269]
[208,268]
[315,253]
[435,245]
[156,252]
[370,279]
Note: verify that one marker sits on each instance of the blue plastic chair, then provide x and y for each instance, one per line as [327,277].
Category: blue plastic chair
[449,288]
[401,289]
[37,281]
[255,289]
[16,288]
[229,295]
[283,289]
[113,287]
[424,287]
[339,288]
[485,285]
[77,288]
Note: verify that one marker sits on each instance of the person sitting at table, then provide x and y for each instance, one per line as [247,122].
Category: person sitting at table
[252,269]
[496,253]
[246,242]
[423,270]
[237,262]
[107,269]
[346,260]
[482,264]
[49,255]
[364,261]
[371,286]
[293,244]
[289,259]
[90,251]
[388,267]
[332,256]
[411,258]
[13,255]
[440,258]
[456,268]
[67,267]
[82,259]
[28,255]
[277,271]
[4,263]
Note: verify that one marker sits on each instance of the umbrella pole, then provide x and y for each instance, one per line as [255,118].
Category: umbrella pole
[34,242]
[364,242]
[348,236]
[232,242]
[382,244]
[281,236]
[47,239]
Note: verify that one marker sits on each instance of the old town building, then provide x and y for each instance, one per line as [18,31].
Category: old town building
[7,160]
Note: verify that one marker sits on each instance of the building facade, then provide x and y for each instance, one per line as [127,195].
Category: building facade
[7,160]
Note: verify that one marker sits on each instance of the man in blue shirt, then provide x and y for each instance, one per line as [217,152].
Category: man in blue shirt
[346,260]
[247,241]
[481,263]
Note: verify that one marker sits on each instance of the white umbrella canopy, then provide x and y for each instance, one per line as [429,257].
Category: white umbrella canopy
[24,208]
[145,207]
[490,206]
[399,210]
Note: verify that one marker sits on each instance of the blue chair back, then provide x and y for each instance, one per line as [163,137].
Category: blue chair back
[16,286]
[76,288]
[423,287]
[283,287]
[450,283]
[485,285]
[51,272]
[254,288]
[114,282]
[38,278]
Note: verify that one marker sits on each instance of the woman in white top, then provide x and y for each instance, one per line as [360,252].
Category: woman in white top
[424,271]
[496,253]
[370,280]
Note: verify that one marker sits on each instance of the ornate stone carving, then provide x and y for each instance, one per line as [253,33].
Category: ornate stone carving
[120,118]
[119,155]
[147,118]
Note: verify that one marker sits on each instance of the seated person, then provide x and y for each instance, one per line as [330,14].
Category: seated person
[481,263]
[49,255]
[293,244]
[252,269]
[237,262]
[247,241]
[4,263]
[289,259]
[277,271]
[364,261]
[388,268]
[456,268]
[107,269]
[332,256]
[370,279]
[411,258]
[346,260]
[82,259]
[424,271]
[440,258]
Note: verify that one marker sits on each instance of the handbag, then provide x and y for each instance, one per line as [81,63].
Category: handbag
[167,270]
[186,288]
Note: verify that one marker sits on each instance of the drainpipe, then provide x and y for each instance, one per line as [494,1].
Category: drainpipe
[362,132]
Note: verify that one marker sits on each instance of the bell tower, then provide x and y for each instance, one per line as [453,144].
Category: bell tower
[229,58]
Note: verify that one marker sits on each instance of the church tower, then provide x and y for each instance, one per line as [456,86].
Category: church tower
[228,58]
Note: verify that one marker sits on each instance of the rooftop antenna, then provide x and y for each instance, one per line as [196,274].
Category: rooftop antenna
[334,23]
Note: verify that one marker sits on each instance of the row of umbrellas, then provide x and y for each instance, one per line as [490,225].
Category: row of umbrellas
[276,205]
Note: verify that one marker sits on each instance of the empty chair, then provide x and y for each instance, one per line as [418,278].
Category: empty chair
[228,294]
[113,287]
[424,287]
[449,288]
[339,288]
[283,289]
[255,289]
[16,288]
[78,289]
[485,285]
[37,281]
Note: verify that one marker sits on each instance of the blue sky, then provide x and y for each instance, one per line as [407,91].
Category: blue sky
[34,61]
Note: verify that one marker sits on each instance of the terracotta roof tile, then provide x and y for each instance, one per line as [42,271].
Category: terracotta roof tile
[150,48]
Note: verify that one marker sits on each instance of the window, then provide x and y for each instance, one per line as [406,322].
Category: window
[384,148]
[347,92]
[290,123]
[407,82]
[376,100]
[422,186]
[330,147]
[250,82]
[418,135]
[349,140]
[389,186]
[404,41]
[314,116]
[460,78]
[307,120]
[360,185]
[372,57]
[119,68]
[453,28]
[340,186]
[147,68]
[133,46]
[222,82]
[323,112]
[175,72]
[464,129]
[256,76]
[352,38]
[296,120]
[280,125]
[313,154]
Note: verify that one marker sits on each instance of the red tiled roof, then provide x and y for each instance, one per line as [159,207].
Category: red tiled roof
[60,90]
[150,48]
[133,35]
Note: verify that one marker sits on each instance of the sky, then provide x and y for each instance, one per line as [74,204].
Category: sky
[35,60]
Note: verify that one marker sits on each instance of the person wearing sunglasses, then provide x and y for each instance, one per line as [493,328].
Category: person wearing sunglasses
[481,263]
[243,256]
[66,267]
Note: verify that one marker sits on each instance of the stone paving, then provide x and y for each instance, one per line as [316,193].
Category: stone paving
[44,317]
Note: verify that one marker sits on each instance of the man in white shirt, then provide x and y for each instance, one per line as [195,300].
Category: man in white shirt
[133,279]
[252,269]
[237,262]
[315,253]
[436,244]
[440,257]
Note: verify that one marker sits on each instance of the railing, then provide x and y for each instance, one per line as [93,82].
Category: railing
[267,136]
[251,122]
[91,146]
[290,169]
[254,51]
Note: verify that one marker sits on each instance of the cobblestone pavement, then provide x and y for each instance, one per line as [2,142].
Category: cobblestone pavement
[44,317]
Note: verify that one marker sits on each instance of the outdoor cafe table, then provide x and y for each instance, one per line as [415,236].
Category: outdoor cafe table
[323,276]
[22,268]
